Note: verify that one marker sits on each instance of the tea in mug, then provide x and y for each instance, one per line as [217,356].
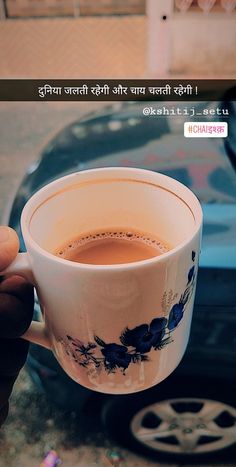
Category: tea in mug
[119,246]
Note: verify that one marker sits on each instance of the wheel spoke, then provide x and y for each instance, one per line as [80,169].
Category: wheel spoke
[165,430]
[145,434]
[165,411]
[166,433]
[212,429]
[187,441]
[210,411]
[148,434]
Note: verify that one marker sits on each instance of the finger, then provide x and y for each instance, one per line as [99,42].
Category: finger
[13,355]
[16,306]
[9,246]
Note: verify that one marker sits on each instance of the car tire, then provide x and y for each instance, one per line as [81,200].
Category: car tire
[177,408]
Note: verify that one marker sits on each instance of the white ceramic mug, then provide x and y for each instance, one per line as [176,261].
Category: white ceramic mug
[117,328]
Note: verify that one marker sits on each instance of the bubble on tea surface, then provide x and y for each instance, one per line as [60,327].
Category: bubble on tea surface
[128,236]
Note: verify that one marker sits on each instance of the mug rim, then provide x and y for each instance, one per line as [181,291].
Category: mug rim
[195,210]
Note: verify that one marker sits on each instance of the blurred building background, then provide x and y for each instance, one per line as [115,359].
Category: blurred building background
[117,38]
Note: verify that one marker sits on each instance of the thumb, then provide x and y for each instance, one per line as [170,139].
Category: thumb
[9,246]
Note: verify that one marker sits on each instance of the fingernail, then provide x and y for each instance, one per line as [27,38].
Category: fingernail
[4,233]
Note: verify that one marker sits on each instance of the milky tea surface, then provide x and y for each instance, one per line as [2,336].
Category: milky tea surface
[117,246]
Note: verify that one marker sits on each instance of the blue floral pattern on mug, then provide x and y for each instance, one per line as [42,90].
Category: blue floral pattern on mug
[135,343]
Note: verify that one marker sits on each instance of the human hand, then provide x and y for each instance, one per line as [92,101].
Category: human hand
[16,311]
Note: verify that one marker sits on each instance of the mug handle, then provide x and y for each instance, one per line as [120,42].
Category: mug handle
[37,332]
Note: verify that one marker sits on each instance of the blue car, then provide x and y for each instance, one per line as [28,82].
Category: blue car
[191,416]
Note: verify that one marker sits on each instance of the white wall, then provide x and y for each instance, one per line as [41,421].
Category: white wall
[203,44]
[191,42]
